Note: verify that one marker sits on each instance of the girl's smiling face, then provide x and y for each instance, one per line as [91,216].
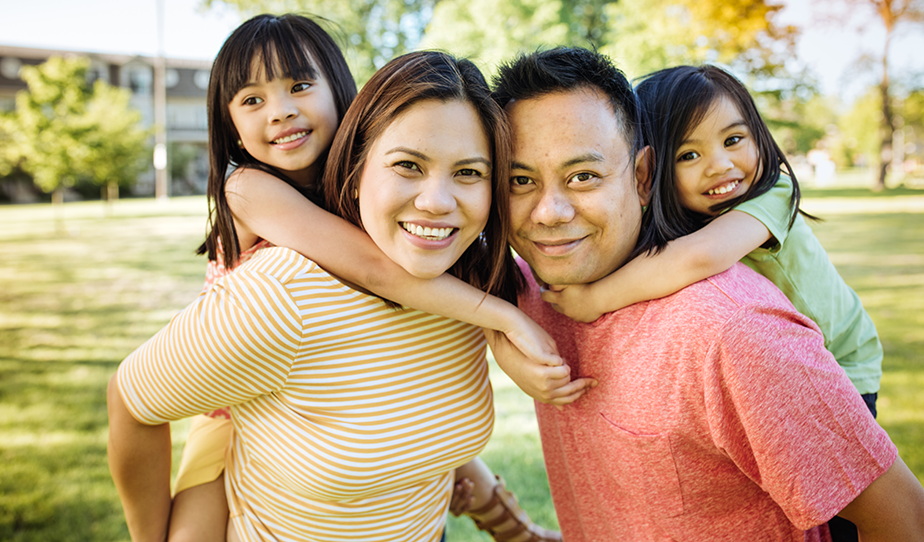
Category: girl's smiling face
[285,123]
[717,160]
[425,190]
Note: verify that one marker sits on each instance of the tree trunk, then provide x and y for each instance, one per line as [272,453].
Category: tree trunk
[57,204]
[112,195]
[885,125]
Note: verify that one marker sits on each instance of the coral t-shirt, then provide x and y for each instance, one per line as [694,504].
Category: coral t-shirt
[719,415]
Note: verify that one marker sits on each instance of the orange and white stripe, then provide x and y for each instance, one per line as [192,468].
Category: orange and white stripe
[349,415]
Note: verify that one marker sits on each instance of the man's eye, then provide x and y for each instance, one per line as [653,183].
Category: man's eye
[582,177]
[298,87]
[687,156]
[520,181]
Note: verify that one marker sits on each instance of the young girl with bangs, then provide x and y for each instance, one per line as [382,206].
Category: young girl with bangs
[279,90]
[723,191]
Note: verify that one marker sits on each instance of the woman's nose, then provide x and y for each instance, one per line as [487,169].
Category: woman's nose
[436,196]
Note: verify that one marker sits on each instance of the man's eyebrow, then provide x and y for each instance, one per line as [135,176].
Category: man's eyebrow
[583,158]
[520,165]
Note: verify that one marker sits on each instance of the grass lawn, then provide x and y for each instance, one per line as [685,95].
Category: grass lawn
[74,304]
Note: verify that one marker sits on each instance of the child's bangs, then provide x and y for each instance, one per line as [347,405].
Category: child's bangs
[275,56]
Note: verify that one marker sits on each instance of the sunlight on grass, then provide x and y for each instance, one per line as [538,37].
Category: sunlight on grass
[73,306]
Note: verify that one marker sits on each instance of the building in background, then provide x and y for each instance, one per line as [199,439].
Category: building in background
[186,84]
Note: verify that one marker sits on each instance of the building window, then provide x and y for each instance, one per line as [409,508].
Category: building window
[202,79]
[9,67]
[171,78]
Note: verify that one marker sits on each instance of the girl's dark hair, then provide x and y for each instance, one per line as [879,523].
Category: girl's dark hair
[289,46]
[429,75]
[673,102]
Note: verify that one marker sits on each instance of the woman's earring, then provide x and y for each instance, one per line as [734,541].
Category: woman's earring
[355,193]
[240,144]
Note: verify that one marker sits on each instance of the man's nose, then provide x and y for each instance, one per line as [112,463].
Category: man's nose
[553,208]
[436,196]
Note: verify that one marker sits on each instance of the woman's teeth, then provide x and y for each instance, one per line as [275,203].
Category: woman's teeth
[433,234]
[290,138]
[724,189]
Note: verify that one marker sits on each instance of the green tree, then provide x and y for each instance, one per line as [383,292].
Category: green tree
[640,36]
[64,130]
[117,144]
[372,31]
[859,141]
[48,129]
[894,15]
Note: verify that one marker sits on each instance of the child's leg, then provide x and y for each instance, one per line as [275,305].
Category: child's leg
[200,513]
[494,509]
[200,507]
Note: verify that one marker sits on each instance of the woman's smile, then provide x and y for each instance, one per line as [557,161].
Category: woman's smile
[425,191]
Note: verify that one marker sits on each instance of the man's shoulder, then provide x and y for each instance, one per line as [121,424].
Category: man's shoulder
[726,292]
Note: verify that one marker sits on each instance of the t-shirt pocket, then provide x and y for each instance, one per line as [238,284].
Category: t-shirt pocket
[642,467]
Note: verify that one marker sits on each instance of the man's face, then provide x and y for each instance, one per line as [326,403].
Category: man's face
[575,205]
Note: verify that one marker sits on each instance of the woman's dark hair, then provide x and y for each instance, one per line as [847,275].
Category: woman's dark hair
[289,46]
[673,102]
[429,75]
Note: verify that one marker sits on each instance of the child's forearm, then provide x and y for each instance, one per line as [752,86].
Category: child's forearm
[139,460]
[684,261]
[278,213]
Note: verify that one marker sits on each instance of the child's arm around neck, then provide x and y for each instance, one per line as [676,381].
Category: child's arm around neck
[684,261]
[266,207]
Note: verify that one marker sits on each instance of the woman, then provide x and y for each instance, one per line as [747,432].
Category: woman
[349,413]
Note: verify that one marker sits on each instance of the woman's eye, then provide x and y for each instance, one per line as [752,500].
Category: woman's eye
[582,177]
[732,140]
[687,156]
[407,165]
[252,100]
[298,87]
[468,172]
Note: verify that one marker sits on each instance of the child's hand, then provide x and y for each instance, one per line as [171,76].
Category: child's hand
[543,382]
[575,301]
[532,341]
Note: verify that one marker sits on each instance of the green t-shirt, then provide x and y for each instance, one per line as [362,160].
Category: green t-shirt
[799,266]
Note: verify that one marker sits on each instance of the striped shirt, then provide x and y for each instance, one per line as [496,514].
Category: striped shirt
[349,415]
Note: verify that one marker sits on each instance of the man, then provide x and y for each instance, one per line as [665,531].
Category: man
[719,415]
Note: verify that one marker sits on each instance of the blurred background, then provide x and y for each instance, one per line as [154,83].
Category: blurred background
[840,81]
[103,165]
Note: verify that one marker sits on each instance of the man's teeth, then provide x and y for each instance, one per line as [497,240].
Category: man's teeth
[724,189]
[437,234]
[290,138]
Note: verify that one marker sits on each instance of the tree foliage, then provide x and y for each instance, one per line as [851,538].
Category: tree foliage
[893,15]
[64,130]
[371,31]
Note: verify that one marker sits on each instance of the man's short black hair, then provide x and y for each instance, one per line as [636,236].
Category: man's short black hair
[564,69]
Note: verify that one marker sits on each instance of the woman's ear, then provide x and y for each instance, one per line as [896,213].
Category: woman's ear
[644,165]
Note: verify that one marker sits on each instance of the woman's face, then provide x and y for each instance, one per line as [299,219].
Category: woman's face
[425,189]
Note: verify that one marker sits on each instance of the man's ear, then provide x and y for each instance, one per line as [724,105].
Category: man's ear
[644,165]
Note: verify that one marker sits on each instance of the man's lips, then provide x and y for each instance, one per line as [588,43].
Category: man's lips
[556,247]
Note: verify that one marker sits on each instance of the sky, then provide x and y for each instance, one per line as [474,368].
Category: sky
[130,27]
